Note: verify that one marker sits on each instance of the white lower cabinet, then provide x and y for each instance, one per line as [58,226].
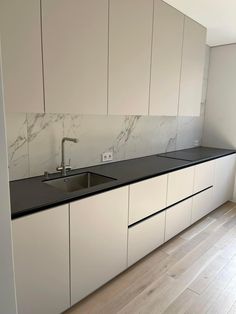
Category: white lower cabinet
[98,234]
[204,176]
[202,204]
[145,237]
[41,258]
[178,218]
[147,197]
[224,180]
[180,185]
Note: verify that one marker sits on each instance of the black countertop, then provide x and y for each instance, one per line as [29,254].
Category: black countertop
[32,194]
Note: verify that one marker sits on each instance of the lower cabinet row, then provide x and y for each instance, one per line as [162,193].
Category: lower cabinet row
[65,253]
[88,240]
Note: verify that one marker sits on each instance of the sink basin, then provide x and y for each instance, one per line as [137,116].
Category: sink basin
[78,182]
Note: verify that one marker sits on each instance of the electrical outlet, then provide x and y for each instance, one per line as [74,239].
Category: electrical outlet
[107,156]
[196,143]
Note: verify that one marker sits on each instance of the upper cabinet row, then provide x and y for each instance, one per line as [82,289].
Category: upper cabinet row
[121,57]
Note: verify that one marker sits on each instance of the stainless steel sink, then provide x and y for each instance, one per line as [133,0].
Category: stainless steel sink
[78,182]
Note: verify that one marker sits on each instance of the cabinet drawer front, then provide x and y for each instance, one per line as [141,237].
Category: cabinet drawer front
[178,218]
[147,197]
[180,185]
[202,204]
[99,226]
[204,176]
[145,237]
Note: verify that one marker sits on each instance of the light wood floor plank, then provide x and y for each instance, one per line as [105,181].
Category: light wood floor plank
[155,299]
[197,228]
[226,299]
[182,303]
[206,300]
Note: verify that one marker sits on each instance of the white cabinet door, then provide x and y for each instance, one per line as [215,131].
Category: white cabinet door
[204,176]
[99,226]
[224,180]
[21,55]
[180,185]
[202,204]
[145,237]
[75,45]
[193,59]
[147,197]
[41,258]
[166,59]
[130,36]
[178,218]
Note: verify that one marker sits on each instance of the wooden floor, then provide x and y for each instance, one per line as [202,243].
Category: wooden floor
[193,273]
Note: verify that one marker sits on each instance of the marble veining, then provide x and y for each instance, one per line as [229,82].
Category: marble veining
[44,135]
[34,140]
[125,134]
[17,145]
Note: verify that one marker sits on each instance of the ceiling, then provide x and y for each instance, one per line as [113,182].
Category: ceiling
[218,16]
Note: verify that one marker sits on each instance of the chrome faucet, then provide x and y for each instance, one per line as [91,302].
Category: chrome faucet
[63,167]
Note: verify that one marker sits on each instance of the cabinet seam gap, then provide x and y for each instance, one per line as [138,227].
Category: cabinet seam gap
[42,50]
[127,259]
[167,184]
[69,255]
[150,74]
[181,65]
[108,56]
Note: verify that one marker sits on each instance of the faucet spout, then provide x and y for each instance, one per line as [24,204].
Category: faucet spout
[70,139]
[63,168]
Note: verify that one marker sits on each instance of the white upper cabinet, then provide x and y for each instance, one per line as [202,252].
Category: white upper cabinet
[193,59]
[166,59]
[130,36]
[75,45]
[116,57]
[21,55]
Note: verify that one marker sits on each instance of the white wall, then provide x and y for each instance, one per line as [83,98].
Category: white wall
[7,289]
[220,114]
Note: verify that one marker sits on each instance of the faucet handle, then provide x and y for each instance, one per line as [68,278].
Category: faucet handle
[46,175]
[68,167]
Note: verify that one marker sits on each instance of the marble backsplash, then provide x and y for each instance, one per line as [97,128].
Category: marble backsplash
[34,140]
